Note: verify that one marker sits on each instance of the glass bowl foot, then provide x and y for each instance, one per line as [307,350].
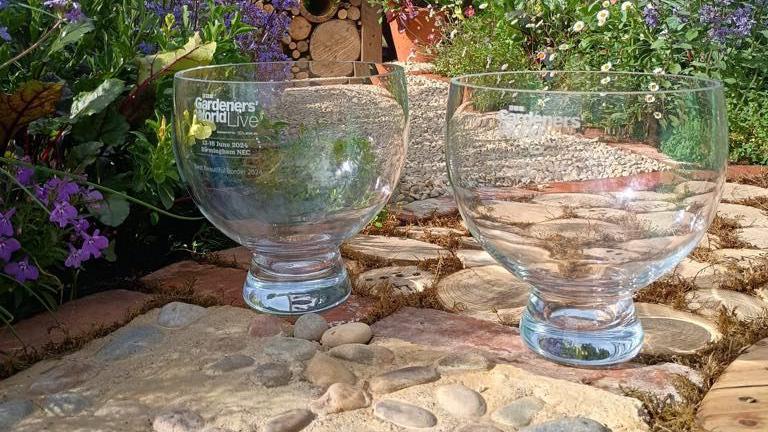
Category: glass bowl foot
[557,336]
[325,285]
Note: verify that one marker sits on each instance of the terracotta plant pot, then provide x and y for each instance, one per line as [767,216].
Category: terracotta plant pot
[414,36]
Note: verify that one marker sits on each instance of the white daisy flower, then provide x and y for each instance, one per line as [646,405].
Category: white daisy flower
[653,87]
[650,98]
[627,6]
[504,66]
[579,26]
[658,71]
[563,47]
[657,115]
[602,17]
[606,67]
[483,5]
[453,33]
[605,80]
[552,56]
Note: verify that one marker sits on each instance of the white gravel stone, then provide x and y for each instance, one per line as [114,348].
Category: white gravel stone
[310,326]
[177,314]
[355,332]
[404,414]
[460,400]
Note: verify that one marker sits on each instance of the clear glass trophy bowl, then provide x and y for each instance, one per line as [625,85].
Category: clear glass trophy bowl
[290,168]
[560,177]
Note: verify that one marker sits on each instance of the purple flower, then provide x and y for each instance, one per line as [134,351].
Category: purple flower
[94,244]
[4,34]
[66,189]
[63,213]
[7,247]
[92,195]
[80,225]
[147,48]
[6,227]
[708,14]
[3,4]
[742,20]
[75,13]
[24,175]
[75,258]
[651,16]
[22,270]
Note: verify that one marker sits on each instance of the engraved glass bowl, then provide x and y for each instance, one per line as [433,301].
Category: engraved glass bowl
[559,177]
[290,168]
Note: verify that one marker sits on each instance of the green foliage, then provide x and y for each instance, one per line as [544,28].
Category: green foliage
[687,142]
[749,128]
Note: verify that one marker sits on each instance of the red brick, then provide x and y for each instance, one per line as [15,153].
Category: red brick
[450,332]
[356,308]
[76,318]
[223,283]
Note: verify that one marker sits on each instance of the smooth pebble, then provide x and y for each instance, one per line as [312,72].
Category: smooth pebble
[460,400]
[404,414]
[348,333]
[310,326]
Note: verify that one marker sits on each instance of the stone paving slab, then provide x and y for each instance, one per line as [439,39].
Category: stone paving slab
[428,208]
[392,250]
[223,283]
[451,332]
[75,319]
[210,375]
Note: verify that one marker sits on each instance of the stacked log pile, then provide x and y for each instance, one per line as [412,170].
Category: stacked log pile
[324,30]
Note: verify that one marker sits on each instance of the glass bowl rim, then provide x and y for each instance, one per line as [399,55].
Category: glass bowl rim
[707,84]
[180,75]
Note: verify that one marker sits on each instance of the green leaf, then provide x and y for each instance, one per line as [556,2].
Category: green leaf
[108,126]
[71,33]
[82,155]
[764,33]
[193,53]
[675,68]
[691,34]
[95,101]
[112,211]
[109,252]
[658,43]
[685,46]
[730,80]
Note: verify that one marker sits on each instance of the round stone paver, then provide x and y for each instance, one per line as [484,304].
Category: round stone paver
[354,332]
[755,237]
[482,288]
[579,229]
[393,250]
[744,258]
[514,213]
[744,215]
[518,413]
[738,192]
[460,401]
[474,258]
[671,331]
[708,302]
[649,206]
[177,314]
[695,187]
[310,326]
[404,280]
[404,414]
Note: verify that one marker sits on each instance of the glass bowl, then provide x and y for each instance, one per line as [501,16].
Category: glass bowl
[289,159]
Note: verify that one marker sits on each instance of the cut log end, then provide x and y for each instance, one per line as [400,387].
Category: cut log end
[318,11]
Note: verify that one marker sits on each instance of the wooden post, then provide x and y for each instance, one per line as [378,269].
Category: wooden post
[371,33]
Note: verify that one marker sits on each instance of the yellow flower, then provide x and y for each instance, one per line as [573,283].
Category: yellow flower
[579,26]
[198,129]
[650,98]
[653,87]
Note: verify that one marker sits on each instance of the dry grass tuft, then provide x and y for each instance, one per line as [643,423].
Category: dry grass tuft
[670,290]
[725,230]
[217,259]
[746,279]
[760,180]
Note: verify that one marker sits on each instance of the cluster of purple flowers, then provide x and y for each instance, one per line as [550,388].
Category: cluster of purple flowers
[4,30]
[60,196]
[651,15]
[264,43]
[725,21]
[70,9]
